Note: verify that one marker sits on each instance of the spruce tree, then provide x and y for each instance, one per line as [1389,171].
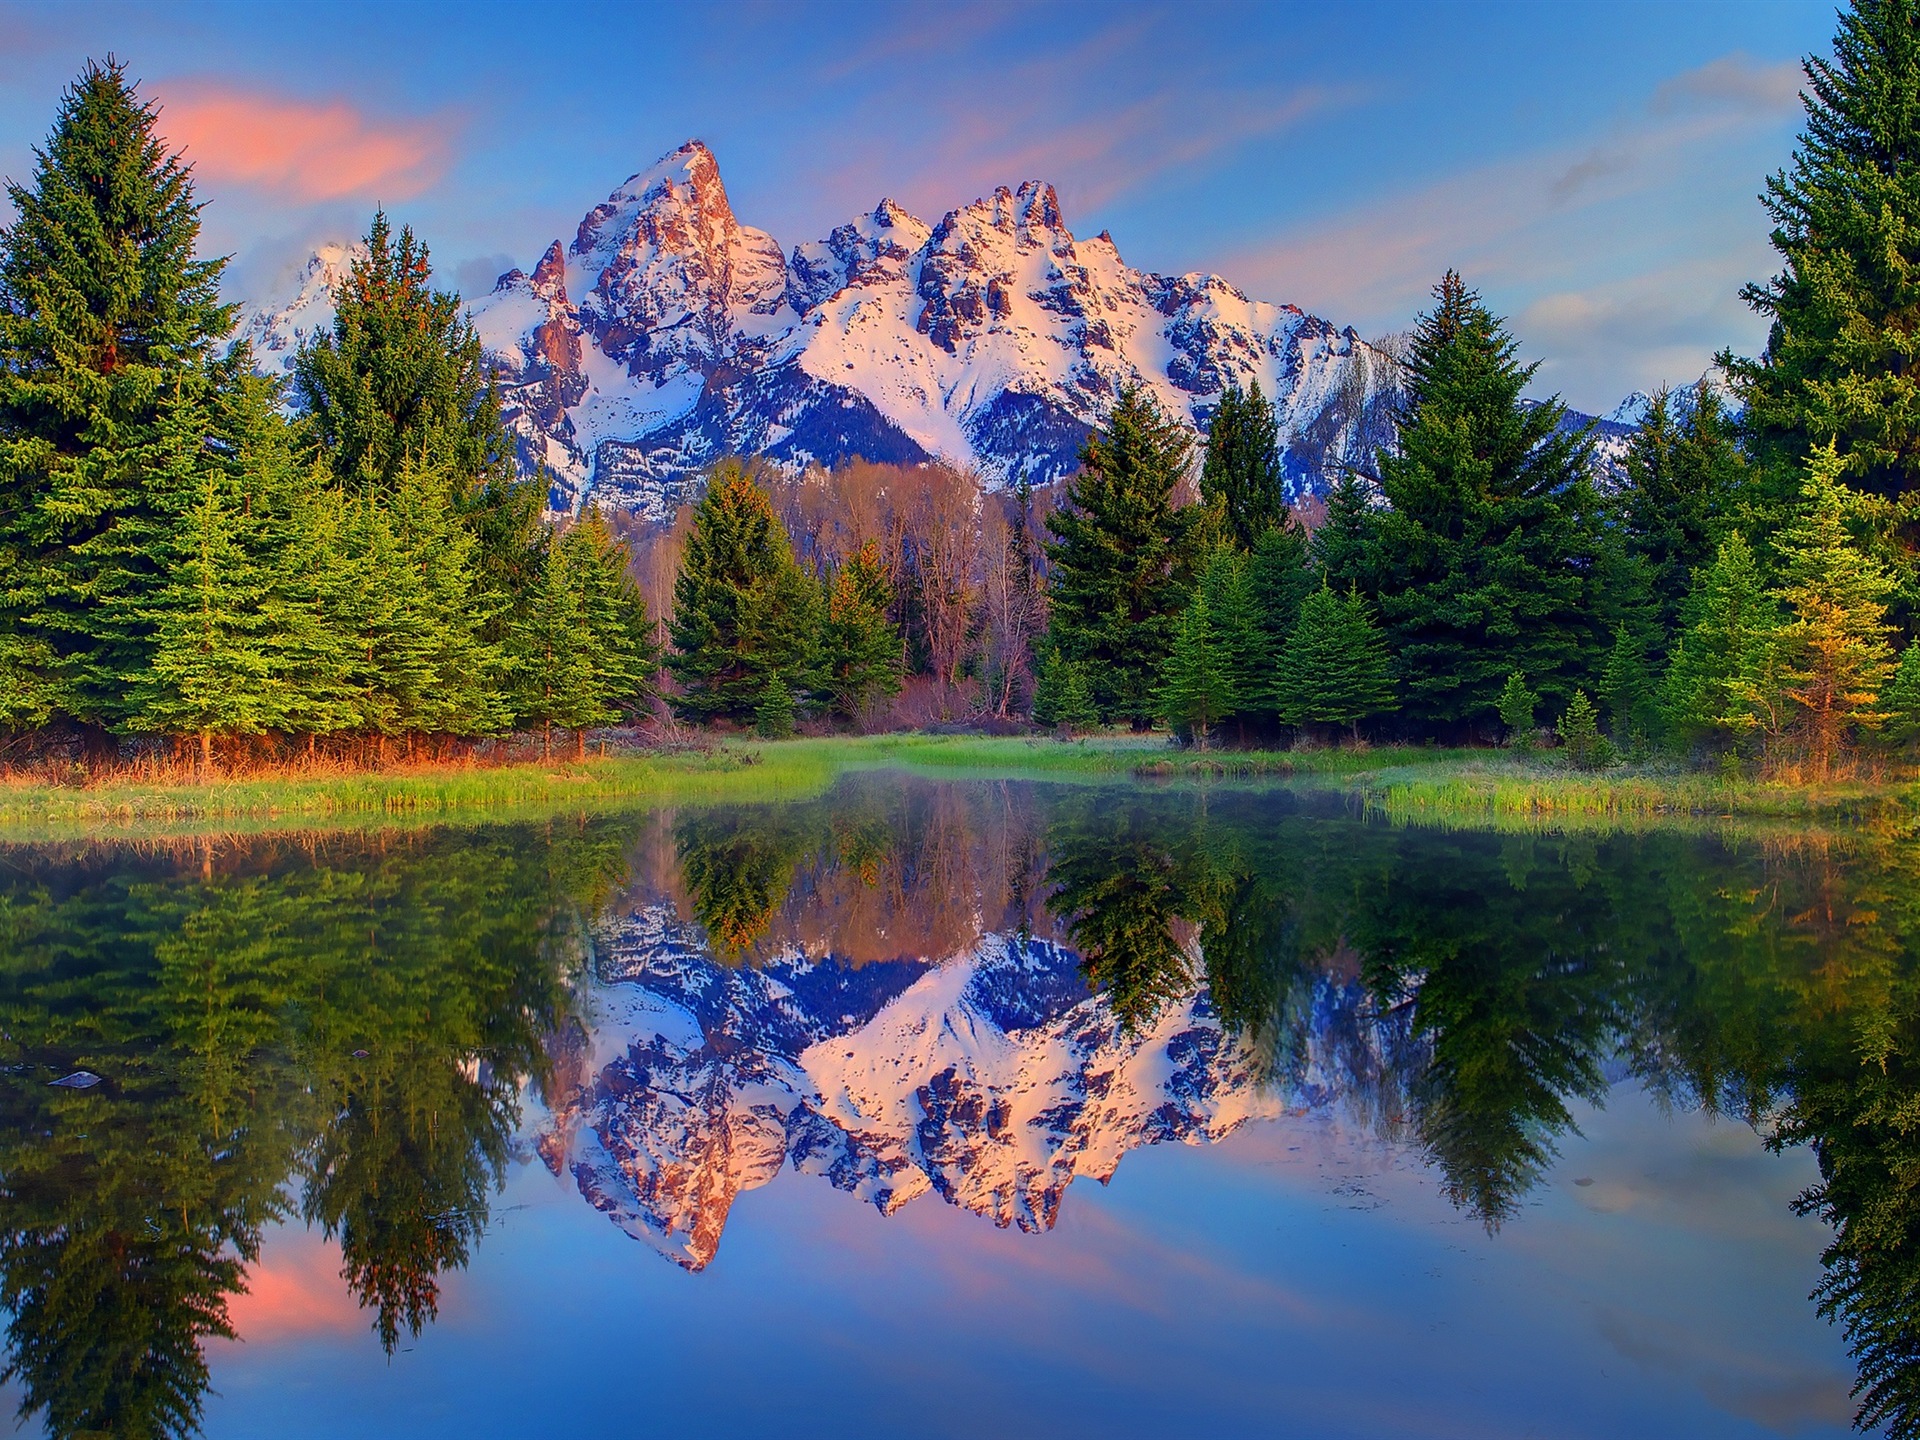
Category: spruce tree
[862,652]
[1516,706]
[1115,589]
[746,618]
[1196,684]
[1843,323]
[623,659]
[1340,545]
[1627,689]
[1483,561]
[553,667]
[1226,583]
[1242,472]
[399,376]
[108,324]
[1279,578]
[1579,732]
[1900,701]
[1334,669]
[1685,478]
[1834,655]
[1719,684]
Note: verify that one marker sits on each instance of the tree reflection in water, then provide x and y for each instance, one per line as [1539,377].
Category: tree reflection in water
[340,1029]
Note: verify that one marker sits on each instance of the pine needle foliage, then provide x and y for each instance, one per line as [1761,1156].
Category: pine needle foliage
[1242,472]
[1115,589]
[1844,310]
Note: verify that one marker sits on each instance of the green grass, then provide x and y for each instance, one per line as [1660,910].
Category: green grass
[1409,785]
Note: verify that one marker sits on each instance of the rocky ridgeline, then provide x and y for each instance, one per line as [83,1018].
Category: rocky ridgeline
[992,1079]
[667,334]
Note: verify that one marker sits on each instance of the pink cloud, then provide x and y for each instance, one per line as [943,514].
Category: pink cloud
[295,1290]
[303,150]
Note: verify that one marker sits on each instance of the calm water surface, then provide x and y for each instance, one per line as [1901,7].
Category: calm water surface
[961,1108]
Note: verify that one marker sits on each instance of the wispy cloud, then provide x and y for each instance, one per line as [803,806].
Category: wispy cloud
[1622,242]
[301,150]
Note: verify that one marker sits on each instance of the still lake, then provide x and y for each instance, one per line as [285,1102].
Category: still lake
[960,1107]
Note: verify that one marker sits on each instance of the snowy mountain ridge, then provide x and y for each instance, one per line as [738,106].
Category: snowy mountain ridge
[991,1078]
[666,334]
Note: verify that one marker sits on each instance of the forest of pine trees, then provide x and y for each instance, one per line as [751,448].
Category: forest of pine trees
[351,563]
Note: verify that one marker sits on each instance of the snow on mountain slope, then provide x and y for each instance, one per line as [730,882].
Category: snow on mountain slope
[991,1078]
[278,328]
[667,334]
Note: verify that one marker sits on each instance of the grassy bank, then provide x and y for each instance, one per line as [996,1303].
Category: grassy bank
[1416,785]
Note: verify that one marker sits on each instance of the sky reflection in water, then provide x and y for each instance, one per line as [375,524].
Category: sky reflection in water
[1373,1041]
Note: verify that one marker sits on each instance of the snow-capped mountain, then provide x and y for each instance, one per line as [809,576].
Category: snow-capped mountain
[667,334]
[277,331]
[991,1078]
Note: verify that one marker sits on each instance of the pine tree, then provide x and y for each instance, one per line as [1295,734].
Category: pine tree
[1720,680]
[1226,583]
[1340,546]
[1516,706]
[1242,472]
[1279,578]
[862,652]
[399,377]
[552,663]
[1843,322]
[1196,685]
[746,619]
[1685,476]
[1482,562]
[1835,659]
[1627,689]
[1900,701]
[623,659]
[1115,587]
[108,324]
[1334,669]
[1579,732]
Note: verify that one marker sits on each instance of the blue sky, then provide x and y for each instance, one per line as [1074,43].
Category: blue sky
[1592,168]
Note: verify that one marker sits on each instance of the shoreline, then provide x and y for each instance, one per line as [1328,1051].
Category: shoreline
[1405,784]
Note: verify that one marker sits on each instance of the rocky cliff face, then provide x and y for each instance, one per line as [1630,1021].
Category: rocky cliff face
[992,1079]
[667,334]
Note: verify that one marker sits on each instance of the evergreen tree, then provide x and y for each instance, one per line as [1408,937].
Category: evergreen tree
[1516,705]
[746,619]
[1685,475]
[862,653]
[1483,561]
[1719,682]
[1334,669]
[553,667]
[1844,325]
[1579,732]
[1063,696]
[1115,588]
[1627,689]
[399,378]
[1900,701]
[1242,473]
[1196,686]
[108,324]
[1279,578]
[1834,655]
[1226,584]
[623,659]
[1340,545]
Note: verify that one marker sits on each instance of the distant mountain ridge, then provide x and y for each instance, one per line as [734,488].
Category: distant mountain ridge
[667,334]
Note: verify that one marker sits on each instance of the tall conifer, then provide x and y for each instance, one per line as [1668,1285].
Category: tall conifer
[745,617]
[1242,471]
[108,323]
[1844,310]
[1115,589]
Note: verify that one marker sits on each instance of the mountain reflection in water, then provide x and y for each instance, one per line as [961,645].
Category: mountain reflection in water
[983,990]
